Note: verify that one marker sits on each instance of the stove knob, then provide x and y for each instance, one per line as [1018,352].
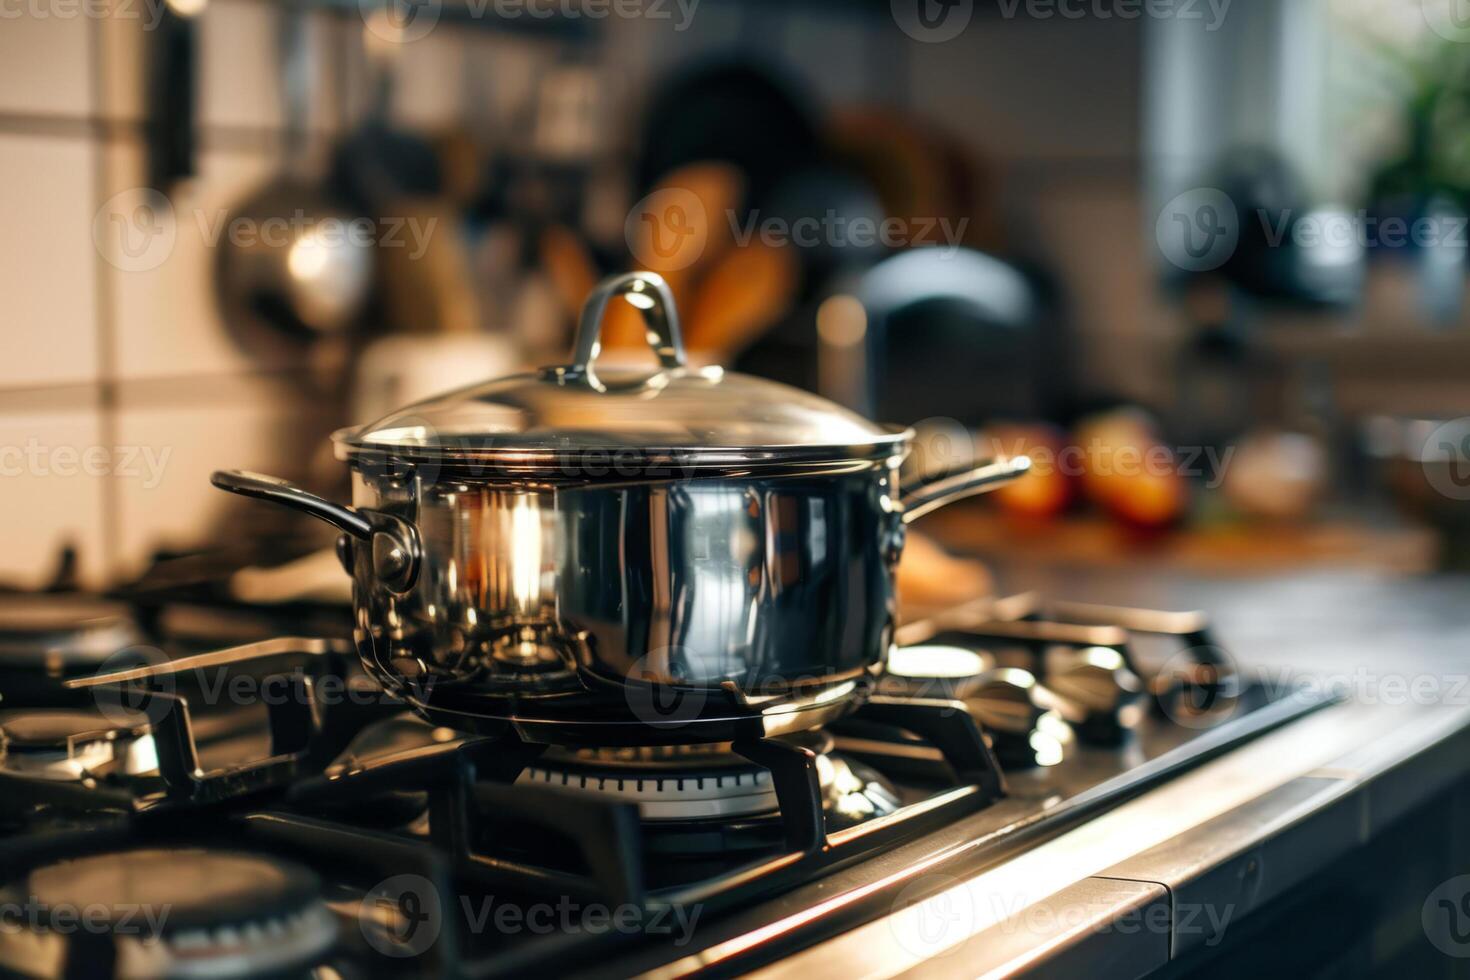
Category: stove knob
[1014,711]
[1197,693]
[1004,700]
[1098,693]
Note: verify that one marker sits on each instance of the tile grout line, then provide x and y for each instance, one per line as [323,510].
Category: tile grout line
[104,312]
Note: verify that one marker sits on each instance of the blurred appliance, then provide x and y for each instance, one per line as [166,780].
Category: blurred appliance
[942,332]
[306,266]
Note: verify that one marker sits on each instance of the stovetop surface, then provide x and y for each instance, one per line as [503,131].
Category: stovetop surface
[325,825]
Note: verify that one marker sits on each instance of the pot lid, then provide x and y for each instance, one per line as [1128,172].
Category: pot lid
[694,415]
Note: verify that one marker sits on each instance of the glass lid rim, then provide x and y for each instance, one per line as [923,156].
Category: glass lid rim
[350,443]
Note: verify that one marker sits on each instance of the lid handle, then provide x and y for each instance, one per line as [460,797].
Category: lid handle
[650,294]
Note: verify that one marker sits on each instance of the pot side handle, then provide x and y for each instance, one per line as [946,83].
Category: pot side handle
[921,496]
[394,543]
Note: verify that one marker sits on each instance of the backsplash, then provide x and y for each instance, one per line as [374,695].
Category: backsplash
[122,386]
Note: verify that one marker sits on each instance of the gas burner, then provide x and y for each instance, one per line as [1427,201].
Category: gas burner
[1017,713]
[712,782]
[44,638]
[58,744]
[180,912]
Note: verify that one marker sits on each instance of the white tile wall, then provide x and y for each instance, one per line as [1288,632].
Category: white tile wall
[238,57]
[107,305]
[44,61]
[53,492]
[248,424]
[166,314]
[123,54]
[47,261]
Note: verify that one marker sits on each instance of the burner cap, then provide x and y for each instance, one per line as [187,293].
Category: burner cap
[934,670]
[62,744]
[710,781]
[56,633]
[177,912]
[664,788]
[51,728]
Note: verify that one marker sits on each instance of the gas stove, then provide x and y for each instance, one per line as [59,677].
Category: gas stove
[264,807]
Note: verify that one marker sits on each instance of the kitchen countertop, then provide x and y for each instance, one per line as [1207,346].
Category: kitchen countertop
[1366,541]
[1323,620]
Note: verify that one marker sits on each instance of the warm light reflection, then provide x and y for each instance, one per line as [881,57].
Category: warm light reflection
[842,321]
[525,554]
[309,256]
[935,661]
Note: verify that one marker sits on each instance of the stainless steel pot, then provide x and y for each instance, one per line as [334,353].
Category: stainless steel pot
[613,558]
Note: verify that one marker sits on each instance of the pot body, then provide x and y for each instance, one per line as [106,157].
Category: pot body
[729,576]
[711,607]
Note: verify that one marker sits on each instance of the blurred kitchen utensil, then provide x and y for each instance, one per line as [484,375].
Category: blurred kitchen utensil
[172,95]
[426,279]
[1424,465]
[949,332]
[742,295]
[377,163]
[678,230]
[569,265]
[736,112]
[307,266]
